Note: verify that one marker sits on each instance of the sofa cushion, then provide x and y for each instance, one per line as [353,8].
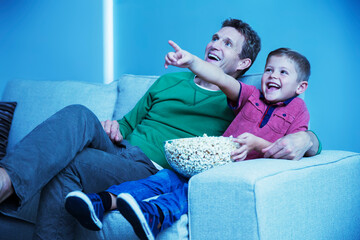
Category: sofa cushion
[6,115]
[38,100]
[116,227]
[130,89]
[278,199]
[252,79]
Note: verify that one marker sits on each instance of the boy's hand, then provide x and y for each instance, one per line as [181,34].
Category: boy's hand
[247,143]
[179,58]
[112,130]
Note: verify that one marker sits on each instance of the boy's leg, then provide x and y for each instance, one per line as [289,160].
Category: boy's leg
[85,208]
[148,218]
[88,209]
[164,181]
[91,171]
[48,149]
[172,205]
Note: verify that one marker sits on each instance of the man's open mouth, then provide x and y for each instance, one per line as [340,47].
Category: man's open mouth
[213,57]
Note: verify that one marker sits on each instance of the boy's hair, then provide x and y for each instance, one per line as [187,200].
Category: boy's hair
[252,43]
[302,65]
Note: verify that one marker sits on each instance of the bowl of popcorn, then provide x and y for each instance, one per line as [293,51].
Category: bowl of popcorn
[190,156]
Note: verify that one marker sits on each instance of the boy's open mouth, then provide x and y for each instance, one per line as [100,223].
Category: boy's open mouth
[272,85]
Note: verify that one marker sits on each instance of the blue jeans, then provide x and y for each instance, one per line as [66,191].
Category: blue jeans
[170,187]
[69,151]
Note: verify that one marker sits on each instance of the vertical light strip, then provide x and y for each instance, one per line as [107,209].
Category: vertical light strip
[108,20]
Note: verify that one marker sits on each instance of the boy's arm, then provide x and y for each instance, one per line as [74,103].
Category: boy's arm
[204,70]
[247,143]
[292,146]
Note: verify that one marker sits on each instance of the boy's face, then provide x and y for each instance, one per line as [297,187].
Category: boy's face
[279,81]
[224,48]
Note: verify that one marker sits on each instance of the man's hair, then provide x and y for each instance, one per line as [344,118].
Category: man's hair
[302,65]
[252,43]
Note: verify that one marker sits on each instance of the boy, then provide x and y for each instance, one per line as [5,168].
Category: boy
[262,117]
[285,77]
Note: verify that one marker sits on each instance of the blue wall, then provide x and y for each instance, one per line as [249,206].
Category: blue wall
[51,40]
[327,32]
[57,40]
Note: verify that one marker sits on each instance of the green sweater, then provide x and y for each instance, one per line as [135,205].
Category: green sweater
[174,107]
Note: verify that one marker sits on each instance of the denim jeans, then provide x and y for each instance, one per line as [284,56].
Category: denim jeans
[171,189]
[69,151]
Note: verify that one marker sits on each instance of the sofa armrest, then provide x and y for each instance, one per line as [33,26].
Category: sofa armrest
[314,198]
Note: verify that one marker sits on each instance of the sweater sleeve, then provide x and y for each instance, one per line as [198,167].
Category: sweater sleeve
[320,145]
[129,122]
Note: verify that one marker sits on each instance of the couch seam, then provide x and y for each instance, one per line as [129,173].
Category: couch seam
[256,213]
[305,167]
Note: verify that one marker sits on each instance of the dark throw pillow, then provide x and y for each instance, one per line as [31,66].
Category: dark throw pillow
[6,115]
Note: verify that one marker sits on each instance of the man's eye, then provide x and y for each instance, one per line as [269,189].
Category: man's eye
[215,38]
[228,44]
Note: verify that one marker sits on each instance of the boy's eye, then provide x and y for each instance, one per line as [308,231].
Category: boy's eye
[268,70]
[284,72]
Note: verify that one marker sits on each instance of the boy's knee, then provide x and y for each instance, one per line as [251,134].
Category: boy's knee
[168,172]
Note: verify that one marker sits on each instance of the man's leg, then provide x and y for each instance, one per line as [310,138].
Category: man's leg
[48,149]
[91,171]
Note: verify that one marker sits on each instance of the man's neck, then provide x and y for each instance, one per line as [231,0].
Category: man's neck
[204,84]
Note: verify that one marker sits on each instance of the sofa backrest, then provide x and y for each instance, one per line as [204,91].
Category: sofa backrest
[38,100]
[130,89]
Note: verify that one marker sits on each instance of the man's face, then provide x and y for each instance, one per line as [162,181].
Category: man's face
[224,49]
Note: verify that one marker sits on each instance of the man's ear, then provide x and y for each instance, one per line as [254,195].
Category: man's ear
[244,64]
[301,87]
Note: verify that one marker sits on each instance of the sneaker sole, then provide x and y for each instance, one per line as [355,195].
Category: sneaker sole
[130,209]
[81,208]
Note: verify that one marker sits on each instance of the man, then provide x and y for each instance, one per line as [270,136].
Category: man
[90,159]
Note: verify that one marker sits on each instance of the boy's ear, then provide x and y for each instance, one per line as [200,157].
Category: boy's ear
[244,64]
[301,87]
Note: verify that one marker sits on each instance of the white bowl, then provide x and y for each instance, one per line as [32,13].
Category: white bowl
[190,156]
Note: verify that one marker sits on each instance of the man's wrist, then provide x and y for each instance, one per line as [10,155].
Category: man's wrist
[316,146]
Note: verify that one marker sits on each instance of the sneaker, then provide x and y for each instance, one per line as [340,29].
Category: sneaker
[142,216]
[88,209]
